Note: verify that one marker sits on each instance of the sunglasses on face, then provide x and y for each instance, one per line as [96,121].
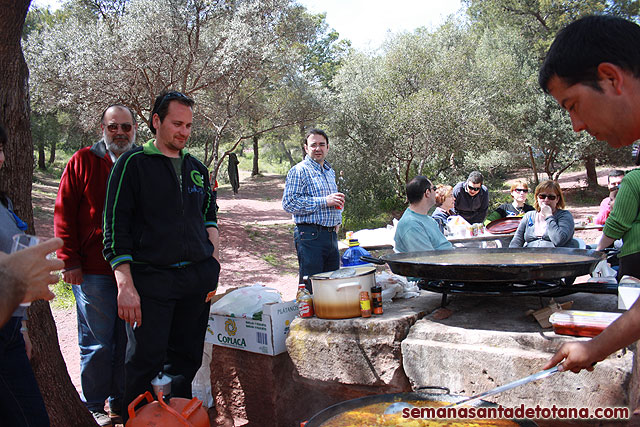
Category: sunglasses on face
[521,190]
[547,196]
[474,188]
[126,127]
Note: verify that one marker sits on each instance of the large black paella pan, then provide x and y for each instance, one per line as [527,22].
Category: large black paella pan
[493,265]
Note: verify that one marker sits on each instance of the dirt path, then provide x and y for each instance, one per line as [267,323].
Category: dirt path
[256,241]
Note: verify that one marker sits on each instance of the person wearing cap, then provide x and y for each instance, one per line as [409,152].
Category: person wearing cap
[161,240]
[471,198]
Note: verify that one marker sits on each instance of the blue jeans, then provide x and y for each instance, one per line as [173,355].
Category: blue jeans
[102,340]
[317,250]
[21,403]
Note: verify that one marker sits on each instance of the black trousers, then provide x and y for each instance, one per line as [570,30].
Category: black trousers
[629,265]
[174,323]
[21,403]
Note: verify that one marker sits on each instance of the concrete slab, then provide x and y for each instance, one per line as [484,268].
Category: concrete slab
[490,341]
[358,351]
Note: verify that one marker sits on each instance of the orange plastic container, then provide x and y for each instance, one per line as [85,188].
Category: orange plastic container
[180,412]
[581,323]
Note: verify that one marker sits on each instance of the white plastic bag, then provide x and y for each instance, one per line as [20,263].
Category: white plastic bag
[394,286]
[201,384]
[246,301]
[458,226]
[603,273]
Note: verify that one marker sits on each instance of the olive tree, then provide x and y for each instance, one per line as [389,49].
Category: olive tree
[412,109]
[516,34]
[228,55]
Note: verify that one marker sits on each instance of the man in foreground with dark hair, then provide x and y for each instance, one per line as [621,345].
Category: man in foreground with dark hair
[593,70]
[311,195]
[161,239]
[416,231]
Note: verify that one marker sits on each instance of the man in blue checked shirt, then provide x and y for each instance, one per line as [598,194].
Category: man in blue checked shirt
[312,196]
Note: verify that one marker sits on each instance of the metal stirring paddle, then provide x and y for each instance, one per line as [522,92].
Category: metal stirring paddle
[538,376]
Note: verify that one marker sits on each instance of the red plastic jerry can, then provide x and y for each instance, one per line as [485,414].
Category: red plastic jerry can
[179,412]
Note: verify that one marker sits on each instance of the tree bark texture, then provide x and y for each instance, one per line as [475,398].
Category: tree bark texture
[286,152]
[14,109]
[61,399]
[532,159]
[255,171]
[63,402]
[42,165]
[592,174]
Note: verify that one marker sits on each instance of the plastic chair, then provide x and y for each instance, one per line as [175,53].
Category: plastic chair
[578,242]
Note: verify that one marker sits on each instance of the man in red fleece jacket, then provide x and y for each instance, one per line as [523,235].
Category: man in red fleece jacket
[78,221]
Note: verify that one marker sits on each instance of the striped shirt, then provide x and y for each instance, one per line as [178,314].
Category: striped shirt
[305,193]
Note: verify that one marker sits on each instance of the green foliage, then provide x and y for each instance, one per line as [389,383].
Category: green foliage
[64,299]
[380,220]
[271,259]
[267,163]
[252,66]
[54,170]
[437,102]
[584,196]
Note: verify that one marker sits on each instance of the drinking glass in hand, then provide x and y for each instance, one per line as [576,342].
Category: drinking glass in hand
[20,242]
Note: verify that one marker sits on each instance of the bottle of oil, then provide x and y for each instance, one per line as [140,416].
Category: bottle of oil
[352,255]
[305,301]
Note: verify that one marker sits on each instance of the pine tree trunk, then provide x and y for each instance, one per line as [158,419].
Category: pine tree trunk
[41,155]
[536,181]
[303,141]
[52,154]
[62,400]
[592,173]
[255,171]
[287,153]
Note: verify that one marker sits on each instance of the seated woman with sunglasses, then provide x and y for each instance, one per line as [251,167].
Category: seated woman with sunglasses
[549,225]
[518,207]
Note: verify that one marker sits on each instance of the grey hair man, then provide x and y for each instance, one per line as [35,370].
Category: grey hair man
[78,221]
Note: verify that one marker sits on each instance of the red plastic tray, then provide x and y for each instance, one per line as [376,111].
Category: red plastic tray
[504,225]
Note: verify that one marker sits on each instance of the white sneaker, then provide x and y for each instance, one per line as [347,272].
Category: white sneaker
[101,418]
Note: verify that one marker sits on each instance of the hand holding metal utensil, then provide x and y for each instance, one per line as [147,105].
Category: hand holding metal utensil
[537,376]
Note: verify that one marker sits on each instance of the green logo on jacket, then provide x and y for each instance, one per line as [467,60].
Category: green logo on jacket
[197,178]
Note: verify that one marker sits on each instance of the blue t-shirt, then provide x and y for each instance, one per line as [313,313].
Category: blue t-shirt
[417,232]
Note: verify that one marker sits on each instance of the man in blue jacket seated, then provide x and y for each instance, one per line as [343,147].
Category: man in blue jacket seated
[416,231]
[471,198]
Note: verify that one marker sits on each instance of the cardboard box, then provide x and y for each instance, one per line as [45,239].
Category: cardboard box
[628,292]
[266,336]
[542,315]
